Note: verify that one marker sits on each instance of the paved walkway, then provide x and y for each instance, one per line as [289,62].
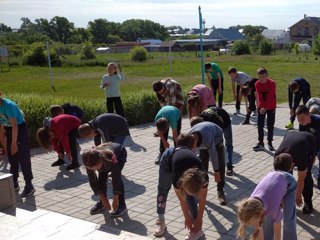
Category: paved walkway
[68,193]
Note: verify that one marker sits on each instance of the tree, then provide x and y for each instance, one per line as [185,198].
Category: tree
[26,24]
[241,47]
[5,28]
[80,35]
[316,46]
[100,29]
[61,29]
[265,47]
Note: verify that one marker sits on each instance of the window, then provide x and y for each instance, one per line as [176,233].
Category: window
[306,31]
[299,31]
[315,31]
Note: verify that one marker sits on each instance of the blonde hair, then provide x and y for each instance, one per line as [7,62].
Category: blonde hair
[249,208]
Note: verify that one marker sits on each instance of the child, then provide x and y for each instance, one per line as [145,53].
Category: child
[267,103]
[313,105]
[14,139]
[67,108]
[215,80]
[168,116]
[263,209]
[62,134]
[181,168]
[106,158]
[199,99]
[108,127]
[239,78]
[111,82]
[300,88]
[249,92]
[208,137]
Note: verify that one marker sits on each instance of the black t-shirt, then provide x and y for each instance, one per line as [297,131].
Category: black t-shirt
[313,128]
[301,146]
[182,160]
[224,120]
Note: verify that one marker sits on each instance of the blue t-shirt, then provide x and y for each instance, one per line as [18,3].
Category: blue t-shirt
[8,110]
[171,113]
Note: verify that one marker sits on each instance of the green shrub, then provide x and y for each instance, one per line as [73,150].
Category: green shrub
[240,48]
[138,54]
[265,47]
[35,55]
[87,53]
[316,46]
[139,108]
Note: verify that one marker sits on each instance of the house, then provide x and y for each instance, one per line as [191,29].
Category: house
[229,35]
[306,29]
[279,38]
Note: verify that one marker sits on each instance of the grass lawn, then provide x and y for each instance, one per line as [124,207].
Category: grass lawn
[83,82]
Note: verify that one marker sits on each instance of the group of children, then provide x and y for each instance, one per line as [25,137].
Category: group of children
[179,165]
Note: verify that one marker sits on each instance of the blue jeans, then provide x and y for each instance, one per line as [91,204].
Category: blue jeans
[227,133]
[289,213]
[319,165]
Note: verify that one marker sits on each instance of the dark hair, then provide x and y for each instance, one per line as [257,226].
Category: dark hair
[262,70]
[162,125]
[56,110]
[92,157]
[293,86]
[193,100]
[43,137]
[157,86]
[283,162]
[245,90]
[302,109]
[85,130]
[232,70]
[207,66]
[196,120]
[185,140]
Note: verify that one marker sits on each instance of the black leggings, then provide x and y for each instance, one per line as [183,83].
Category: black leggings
[215,88]
[271,114]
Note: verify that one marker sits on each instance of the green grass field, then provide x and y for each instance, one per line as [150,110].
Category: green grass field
[83,82]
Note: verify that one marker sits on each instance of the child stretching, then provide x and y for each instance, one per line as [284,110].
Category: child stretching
[111,82]
[263,209]
[106,158]
[61,133]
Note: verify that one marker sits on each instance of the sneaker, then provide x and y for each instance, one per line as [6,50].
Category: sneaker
[271,148]
[258,147]
[289,126]
[229,171]
[28,191]
[222,198]
[254,113]
[156,162]
[246,122]
[119,212]
[97,208]
[16,186]
[318,181]
[307,209]
[236,112]
[194,235]
[59,162]
[72,166]
[159,228]
[156,134]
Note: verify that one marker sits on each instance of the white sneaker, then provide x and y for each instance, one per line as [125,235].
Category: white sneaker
[194,235]
[159,228]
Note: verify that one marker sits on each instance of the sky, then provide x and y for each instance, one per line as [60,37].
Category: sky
[273,14]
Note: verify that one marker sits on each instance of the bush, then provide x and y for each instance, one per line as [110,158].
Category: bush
[139,108]
[138,54]
[240,48]
[35,55]
[265,47]
[316,46]
[87,53]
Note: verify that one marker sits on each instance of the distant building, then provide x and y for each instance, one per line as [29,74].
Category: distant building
[279,38]
[306,29]
[229,35]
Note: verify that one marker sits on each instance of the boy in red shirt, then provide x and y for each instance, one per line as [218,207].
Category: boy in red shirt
[266,96]
[62,133]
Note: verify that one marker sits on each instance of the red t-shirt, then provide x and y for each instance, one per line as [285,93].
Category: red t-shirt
[266,94]
[61,125]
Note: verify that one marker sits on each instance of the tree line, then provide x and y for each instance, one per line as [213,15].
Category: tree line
[98,31]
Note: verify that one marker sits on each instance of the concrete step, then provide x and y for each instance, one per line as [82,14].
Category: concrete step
[21,224]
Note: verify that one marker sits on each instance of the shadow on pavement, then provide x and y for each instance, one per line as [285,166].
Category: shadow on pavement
[310,222]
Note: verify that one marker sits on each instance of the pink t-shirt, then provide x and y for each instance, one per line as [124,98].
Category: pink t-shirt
[205,94]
